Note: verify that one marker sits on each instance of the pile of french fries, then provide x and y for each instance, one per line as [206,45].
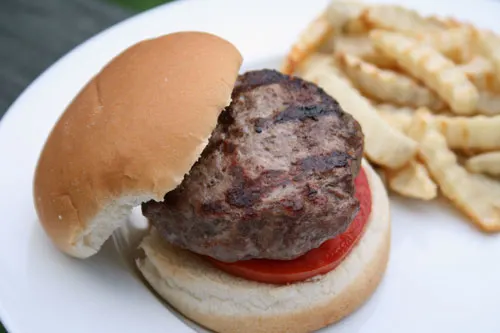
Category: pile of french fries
[426,91]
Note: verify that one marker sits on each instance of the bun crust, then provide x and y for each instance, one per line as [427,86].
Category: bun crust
[131,135]
[226,303]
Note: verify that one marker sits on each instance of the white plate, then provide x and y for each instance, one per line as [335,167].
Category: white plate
[443,276]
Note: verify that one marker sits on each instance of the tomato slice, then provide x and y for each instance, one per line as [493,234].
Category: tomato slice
[317,261]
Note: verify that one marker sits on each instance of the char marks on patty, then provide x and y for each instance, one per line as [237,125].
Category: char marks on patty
[276,178]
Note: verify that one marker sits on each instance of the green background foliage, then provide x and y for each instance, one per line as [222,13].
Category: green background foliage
[139,5]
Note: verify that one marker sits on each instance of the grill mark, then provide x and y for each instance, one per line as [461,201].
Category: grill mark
[302,112]
[293,113]
[240,194]
[246,192]
[304,107]
[326,163]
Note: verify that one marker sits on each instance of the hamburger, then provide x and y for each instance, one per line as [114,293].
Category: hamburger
[264,216]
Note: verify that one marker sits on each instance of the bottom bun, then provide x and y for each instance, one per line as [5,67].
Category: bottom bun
[225,303]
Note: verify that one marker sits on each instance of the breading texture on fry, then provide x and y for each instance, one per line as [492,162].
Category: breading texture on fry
[475,195]
[432,68]
[383,144]
[386,85]
[487,163]
[309,40]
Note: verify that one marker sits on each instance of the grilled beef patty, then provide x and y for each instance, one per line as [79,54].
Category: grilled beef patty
[276,179]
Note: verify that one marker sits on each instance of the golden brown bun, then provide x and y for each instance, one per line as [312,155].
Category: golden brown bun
[229,304]
[131,135]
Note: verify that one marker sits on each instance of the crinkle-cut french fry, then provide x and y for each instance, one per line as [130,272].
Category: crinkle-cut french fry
[386,85]
[412,181]
[450,42]
[489,103]
[432,68]
[399,118]
[353,44]
[384,145]
[466,51]
[481,73]
[488,163]
[309,40]
[475,195]
[478,133]
[317,62]
[489,44]
[397,18]
[344,16]
[362,47]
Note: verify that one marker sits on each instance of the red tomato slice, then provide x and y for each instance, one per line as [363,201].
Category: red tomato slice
[317,261]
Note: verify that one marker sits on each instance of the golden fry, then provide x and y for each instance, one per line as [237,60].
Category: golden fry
[344,16]
[432,68]
[397,18]
[452,43]
[317,62]
[478,133]
[412,181]
[488,163]
[309,40]
[475,195]
[362,47]
[386,85]
[481,73]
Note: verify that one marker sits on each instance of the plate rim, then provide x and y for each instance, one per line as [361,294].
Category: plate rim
[9,114]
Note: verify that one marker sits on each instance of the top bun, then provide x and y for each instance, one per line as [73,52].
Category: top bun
[131,135]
